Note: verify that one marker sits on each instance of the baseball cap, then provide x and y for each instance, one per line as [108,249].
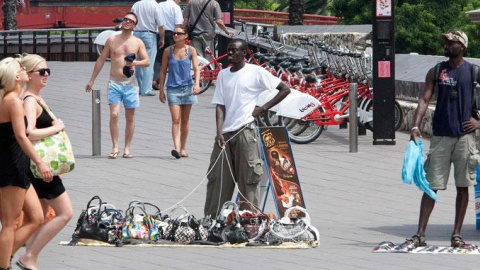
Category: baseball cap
[456,35]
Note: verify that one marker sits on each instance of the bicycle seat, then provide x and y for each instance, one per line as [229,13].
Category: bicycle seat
[274,64]
[294,68]
[310,79]
[258,55]
[307,70]
[280,59]
[285,64]
[267,58]
[295,60]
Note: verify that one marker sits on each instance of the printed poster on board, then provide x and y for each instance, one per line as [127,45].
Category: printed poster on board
[384,8]
[281,169]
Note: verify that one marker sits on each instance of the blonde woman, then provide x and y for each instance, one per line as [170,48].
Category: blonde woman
[15,151]
[41,125]
[181,89]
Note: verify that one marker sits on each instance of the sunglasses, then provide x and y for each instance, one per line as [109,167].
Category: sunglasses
[129,20]
[178,33]
[42,71]
[22,68]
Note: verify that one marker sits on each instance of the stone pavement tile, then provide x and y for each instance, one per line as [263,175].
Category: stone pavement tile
[356,200]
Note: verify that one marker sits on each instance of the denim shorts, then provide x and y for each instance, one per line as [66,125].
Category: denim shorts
[125,90]
[181,95]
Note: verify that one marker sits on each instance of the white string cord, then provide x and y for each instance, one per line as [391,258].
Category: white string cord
[205,177]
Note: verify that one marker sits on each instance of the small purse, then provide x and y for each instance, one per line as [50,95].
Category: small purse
[55,150]
[293,229]
[185,228]
[226,227]
[255,223]
[140,225]
[101,222]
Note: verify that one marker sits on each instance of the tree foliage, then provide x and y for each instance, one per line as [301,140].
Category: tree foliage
[418,23]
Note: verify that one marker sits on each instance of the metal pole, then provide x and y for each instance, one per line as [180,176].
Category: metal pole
[96,121]
[353,118]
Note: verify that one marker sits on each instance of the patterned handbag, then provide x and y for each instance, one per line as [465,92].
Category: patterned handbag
[185,228]
[140,225]
[255,223]
[293,229]
[55,150]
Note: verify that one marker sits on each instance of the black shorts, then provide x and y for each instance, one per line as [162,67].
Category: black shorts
[50,190]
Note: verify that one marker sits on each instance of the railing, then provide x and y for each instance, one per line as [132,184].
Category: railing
[276,17]
[59,44]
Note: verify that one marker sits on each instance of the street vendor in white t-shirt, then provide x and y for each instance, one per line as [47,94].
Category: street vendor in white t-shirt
[235,95]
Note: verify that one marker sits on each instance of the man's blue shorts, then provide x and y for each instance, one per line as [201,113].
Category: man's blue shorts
[123,89]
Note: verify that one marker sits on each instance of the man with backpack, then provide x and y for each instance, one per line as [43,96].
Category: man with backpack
[453,138]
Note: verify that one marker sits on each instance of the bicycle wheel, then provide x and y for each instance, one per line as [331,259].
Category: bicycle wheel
[204,83]
[270,118]
[300,131]
[398,116]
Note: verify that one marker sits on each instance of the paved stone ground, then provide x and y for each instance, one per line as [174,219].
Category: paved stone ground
[356,200]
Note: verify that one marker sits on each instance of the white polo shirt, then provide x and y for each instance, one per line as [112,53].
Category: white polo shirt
[171,14]
[149,15]
[238,92]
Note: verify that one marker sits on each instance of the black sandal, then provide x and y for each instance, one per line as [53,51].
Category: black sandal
[418,240]
[457,240]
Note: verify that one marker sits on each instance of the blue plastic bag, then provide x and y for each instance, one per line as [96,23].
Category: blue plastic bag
[412,169]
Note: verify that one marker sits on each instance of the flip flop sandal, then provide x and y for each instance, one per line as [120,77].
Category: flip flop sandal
[175,154]
[113,155]
[22,266]
[457,240]
[127,155]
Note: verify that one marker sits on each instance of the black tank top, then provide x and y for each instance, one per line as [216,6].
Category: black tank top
[454,100]
[44,120]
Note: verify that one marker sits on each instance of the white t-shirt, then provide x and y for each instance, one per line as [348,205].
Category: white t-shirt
[171,13]
[149,15]
[238,92]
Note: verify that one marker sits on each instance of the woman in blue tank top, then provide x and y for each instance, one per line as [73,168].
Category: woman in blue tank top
[179,59]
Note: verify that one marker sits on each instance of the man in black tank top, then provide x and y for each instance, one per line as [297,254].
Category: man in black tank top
[453,139]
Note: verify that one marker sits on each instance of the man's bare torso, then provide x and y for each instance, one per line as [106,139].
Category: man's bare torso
[120,46]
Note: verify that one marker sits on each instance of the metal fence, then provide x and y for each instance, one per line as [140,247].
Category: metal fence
[59,44]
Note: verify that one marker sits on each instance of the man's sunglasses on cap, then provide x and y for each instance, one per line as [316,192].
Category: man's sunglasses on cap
[42,71]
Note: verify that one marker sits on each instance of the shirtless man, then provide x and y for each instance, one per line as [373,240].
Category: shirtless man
[122,88]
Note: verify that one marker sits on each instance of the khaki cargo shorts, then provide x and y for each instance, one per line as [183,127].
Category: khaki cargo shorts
[444,150]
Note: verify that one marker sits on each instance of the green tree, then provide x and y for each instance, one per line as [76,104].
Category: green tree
[9,8]
[295,12]
[418,23]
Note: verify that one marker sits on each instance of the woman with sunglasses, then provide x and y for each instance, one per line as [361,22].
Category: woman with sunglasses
[180,59]
[51,194]
[15,151]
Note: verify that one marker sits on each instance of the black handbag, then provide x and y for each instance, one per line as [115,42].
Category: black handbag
[100,222]
[227,229]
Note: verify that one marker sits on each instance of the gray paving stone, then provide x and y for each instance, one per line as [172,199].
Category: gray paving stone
[356,200]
